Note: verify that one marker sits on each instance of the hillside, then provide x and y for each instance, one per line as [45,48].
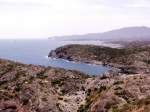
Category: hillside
[123,34]
[134,57]
[29,88]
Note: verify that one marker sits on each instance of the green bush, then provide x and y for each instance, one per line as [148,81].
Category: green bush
[58,82]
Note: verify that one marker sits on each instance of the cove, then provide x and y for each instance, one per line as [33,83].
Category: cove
[36,51]
[90,69]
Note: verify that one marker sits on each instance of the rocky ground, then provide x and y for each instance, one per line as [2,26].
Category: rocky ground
[29,88]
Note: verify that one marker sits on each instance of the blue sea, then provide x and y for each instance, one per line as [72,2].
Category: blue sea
[36,52]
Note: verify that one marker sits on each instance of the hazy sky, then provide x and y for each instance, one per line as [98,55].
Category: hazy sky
[45,18]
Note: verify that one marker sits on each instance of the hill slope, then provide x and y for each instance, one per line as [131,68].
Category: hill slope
[29,88]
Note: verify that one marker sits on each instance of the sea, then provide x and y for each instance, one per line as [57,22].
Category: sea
[35,51]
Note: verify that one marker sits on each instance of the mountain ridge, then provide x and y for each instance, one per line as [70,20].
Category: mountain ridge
[135,33]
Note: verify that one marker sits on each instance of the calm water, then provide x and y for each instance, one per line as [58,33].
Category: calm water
[36,51]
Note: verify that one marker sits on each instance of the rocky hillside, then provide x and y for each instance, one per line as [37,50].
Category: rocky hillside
[29,88]
[124,93]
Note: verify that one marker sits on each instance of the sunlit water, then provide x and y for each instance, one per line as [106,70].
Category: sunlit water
[36,51]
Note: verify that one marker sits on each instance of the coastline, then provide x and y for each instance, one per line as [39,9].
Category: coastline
[127,60]
[92,68]
[77,61]
[73,91]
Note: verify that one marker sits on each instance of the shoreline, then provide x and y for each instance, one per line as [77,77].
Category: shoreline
[125,59]
[90,63]
[77,61]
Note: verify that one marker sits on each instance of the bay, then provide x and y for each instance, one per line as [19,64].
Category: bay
[36,51]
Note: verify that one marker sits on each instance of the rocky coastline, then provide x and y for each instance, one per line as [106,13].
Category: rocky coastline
[132,58]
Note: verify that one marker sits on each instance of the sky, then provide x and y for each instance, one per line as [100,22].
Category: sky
[45,18]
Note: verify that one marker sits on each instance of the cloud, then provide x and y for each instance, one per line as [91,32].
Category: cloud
[140,4]
[110,3]
[31,3]
[120,3]
[44,18]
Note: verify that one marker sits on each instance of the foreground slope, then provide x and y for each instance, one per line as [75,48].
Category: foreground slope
[29,88]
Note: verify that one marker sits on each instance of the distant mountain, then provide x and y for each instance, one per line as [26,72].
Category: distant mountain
[123,34]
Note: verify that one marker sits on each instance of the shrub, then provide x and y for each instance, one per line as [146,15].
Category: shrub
[118,82]
[24,100]
[58,82]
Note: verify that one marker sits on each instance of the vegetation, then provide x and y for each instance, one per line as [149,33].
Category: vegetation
[33,88]
[91,96]
[126,58]
[58,82]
